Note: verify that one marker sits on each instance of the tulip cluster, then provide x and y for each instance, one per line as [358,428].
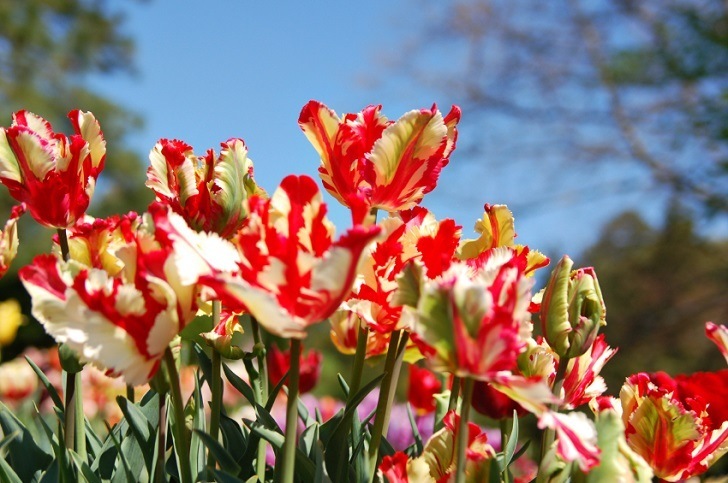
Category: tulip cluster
[215,256]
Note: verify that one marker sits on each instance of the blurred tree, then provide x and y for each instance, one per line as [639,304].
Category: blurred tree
[47,50]
[644,84]
[660,287]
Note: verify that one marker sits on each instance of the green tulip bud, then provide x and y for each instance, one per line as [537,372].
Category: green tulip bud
[572,309]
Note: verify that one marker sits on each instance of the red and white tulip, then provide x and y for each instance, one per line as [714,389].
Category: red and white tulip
[52,174]
[392,164]
[291,273]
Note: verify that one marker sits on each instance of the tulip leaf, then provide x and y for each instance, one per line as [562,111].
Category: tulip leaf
[303,413]
[142,431]
[336,443]
[343,384]
[204,362]
[23,454]
[7,474]
[84,468]
[197,450]
[233,437]
[511,443]
[273,394]
[222,456]
[119,476]
[238,383]
[46,383]
[416,447]
[305,469]
[225,477]
[198,325]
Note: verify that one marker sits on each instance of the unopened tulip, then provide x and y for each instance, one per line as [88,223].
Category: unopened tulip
[572,309]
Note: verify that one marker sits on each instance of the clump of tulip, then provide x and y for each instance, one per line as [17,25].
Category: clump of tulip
[183,327]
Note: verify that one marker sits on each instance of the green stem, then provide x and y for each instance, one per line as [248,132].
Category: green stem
[215,388]
[289,445]
[359,357]
[549,435]
[161,437]
[262,393]
[505,434]
[69,420]
[404,338]
[338,471]
[80,418]
[452,403]
[63,242]
[380,416]
[130,393]
[70,414]
[179,429]
[462,439]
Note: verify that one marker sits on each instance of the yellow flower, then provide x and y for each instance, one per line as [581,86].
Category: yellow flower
[10,319]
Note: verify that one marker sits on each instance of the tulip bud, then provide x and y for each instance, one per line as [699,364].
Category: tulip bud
[225,338]
[572,309]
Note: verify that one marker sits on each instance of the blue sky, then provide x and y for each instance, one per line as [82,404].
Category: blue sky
[239,68]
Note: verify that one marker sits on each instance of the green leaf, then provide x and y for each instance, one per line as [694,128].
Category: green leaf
[7,474]
[511,443]
[199,325]
[84,468]
[521,450]
[233,437]
[140,429]
[308,439]
[418,446]
[336,445]
[204,362]
[274,392]
[303,413]
[198,463]
[8,439]
[305,469]
[93,442]
[119,476]
[130,447]
[238,383]
[23,454]
[275,438]
[54,473]
[226,461]
[343,384]
[225,477]
[47,384]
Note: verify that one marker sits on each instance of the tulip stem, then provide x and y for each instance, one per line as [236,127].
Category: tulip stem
[289,445]
[215,388]
[63,242]
[74,421]
[80,418]
[452,403]
[130,393]
[69,420]
[359,356]
[262,393]
[161,436]
[462,436]
[548,435]
[179,429]
[392,365]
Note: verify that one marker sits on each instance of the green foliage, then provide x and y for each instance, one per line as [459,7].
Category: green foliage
[660,287]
